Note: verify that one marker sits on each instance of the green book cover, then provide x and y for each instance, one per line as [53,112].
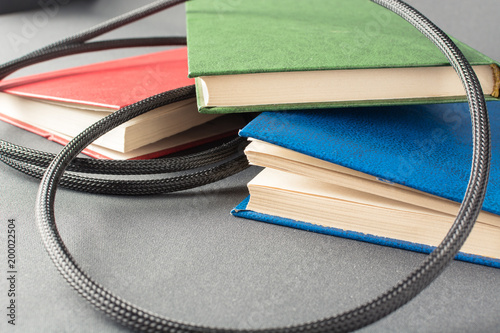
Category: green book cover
[228,37]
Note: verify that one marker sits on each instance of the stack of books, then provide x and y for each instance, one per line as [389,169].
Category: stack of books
[365,131]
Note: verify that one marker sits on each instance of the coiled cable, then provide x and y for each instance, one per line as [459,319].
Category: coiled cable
[142,320]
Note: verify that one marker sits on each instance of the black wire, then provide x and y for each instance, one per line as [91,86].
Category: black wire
[139,319]
[36,158]
[161,185]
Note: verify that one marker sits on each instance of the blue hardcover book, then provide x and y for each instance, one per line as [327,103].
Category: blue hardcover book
[419,151]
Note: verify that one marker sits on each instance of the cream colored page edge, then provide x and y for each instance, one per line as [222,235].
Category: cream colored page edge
[337,85]
[269,155]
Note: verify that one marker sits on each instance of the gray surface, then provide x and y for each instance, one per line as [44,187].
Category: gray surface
[23,5]
[185,257]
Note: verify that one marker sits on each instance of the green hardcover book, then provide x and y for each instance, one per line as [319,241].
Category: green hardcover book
[260,55]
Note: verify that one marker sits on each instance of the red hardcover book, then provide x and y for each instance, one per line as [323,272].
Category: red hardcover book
[58,105]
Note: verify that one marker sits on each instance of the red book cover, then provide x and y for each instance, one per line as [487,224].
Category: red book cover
[112,84]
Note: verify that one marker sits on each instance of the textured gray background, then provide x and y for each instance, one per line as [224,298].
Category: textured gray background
[185,257]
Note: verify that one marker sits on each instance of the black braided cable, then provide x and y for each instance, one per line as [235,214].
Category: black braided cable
[134,187]
[138,319]
[31,157]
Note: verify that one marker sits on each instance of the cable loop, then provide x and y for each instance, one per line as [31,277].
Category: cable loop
[138,319]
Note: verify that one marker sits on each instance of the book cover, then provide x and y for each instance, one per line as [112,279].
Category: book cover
[111,84]
[255,37]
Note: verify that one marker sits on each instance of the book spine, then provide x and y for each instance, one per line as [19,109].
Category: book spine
[496,77]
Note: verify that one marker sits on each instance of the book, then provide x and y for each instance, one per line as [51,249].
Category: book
[284,54]
[391,175]
[59,105]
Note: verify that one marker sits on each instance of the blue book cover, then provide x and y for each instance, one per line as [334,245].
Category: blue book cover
[425,147]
